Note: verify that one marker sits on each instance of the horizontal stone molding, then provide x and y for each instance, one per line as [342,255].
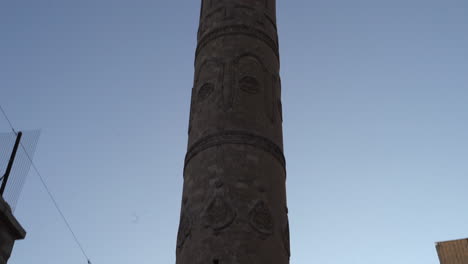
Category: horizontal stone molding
[237,138]
[236,30]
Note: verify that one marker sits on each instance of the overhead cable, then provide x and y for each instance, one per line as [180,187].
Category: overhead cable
[51,196]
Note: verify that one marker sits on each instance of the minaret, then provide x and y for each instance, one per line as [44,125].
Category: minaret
[234,197]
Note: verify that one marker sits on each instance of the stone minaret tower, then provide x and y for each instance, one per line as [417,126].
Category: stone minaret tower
[234,198]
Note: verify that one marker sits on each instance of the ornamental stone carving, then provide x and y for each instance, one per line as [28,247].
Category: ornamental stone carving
[260,218]
[219,213]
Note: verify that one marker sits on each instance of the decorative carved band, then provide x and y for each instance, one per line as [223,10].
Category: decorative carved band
[272,22]
[236,137]
[237,30]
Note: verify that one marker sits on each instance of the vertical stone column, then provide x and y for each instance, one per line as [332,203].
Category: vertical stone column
[234,199]
[10,231]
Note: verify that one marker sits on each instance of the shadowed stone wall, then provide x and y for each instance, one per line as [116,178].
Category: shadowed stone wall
[234,199]
[10,231]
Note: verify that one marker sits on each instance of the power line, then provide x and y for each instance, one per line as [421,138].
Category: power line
[7,119]
[48,191]
[55,204]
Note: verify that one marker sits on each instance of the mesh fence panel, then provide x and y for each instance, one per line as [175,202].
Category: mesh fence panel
[21,165]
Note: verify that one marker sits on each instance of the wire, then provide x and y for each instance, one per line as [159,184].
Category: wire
[55,203]
[48,191]
[8,120]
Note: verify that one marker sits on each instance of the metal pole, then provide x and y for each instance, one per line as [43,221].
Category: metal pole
[10,163]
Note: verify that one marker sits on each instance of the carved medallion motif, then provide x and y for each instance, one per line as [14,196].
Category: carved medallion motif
[205,91]
[185,228]
[219,214]
[249,85]
[208,78]
[261,219]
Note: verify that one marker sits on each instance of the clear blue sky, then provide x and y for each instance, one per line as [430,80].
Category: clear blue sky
[375,123]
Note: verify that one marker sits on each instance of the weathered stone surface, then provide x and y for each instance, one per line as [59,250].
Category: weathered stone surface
[10,231]
[234,196]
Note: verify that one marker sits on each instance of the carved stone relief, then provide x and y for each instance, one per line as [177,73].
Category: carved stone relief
[272,22]
[235,137]
[235,83]
[250,82]
[260,218]
[204,91]
[219,214]
[249,85]
[250,75]
[245,19]
[252,16]
[218,14]
[235,101]
[208,78]
[227,12]
[237,30]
